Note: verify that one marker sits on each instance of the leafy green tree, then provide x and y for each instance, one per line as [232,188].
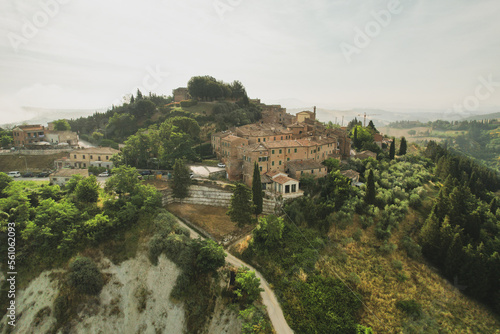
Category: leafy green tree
[392,149]
[124,180]
[247,285]
[370,188]
[257,190]
[336,189]
[241,207]
[70,186]
[87,190]
[4,181]
[5,140]
[97,136]
[269,232]
[254,320]
[211,256]
[62,125]
[331,164]
[372,127]
[402,146]
[181,180]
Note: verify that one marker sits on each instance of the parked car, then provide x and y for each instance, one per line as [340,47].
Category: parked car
[29,174]
[146,172]
[43,174]
[221,165]
[104,174]
[14,174]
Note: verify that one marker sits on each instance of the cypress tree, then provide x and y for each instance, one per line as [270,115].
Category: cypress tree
[241,207]
[370,188]
[402,146]
[355,140]
[392,150]
[257,189]
[181,180]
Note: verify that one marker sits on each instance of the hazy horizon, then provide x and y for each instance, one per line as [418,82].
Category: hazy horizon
[396,56]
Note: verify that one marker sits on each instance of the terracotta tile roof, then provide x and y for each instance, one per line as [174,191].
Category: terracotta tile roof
[273,173]
[306,142]
[232,138]
[349,173]
[96,150]
[304,164]
[70,172]
[281,179]
[283,143]
[222,134]
[254,147]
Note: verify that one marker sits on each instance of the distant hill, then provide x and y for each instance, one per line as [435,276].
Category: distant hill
[485,117]
[43,115]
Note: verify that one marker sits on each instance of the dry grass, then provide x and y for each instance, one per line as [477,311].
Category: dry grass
[212,219]
[382,284]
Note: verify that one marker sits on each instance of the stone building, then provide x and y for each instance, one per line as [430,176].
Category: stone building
[93,156]
[25,135]
[180,94]
[300,168]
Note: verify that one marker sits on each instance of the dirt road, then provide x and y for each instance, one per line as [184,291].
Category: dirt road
[268,297]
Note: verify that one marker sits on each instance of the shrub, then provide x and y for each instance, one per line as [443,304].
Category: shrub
[388,248]
[156,247]
[401,277]
[357,235]
[413,250]
[410,307]
[188,103]
[397,264]
[85,276]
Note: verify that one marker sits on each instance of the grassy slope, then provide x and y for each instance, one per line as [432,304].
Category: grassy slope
[446,310]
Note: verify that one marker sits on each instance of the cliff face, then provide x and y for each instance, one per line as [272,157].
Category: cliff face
[135,299]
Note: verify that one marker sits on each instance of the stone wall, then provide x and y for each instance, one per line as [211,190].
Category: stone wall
[203,195]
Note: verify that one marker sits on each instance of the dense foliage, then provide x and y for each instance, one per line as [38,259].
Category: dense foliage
[208,88]
[241,207]
[460,235]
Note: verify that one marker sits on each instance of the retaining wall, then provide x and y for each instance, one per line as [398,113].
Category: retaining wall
[202,195]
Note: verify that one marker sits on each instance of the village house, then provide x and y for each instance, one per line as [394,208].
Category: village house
[25,135]
[84,158]
[300,168]
[365,155]
[64,175]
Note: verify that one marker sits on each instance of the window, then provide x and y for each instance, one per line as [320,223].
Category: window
[280,163]
[294,188]
[287,159]
[274,138]
[83,156]
[260,168]
[281,137]
[288,150]
[264,139]
[91,157]
[99,158]
[301,172]
[272,163]
[272,151]
[258,139]
[295,150]
[84,164]
[75,156]
[312,171]
[280,150]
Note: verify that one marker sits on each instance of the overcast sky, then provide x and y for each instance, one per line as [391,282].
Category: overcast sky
[87,54]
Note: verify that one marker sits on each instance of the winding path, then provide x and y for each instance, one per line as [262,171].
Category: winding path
[268,297]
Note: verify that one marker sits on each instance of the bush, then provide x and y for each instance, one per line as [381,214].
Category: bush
[85,276]
[188,103]
[357,235]
[410,307]
[413,249]
[388,248]
[397,264]
[156,247]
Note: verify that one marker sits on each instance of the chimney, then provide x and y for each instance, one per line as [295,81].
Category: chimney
[314,111]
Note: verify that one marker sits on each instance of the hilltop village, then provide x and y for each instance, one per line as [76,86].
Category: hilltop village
[284,146]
